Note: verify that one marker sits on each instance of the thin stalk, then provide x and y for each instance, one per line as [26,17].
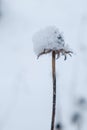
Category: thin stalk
[54,90]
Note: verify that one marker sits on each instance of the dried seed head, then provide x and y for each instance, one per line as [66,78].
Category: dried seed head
[48,40]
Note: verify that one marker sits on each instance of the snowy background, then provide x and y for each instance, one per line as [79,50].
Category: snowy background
[25,82]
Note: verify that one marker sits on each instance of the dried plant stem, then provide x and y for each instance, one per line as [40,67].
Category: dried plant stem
[54,90]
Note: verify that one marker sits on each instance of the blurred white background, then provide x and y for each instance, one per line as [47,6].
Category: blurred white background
[25,82]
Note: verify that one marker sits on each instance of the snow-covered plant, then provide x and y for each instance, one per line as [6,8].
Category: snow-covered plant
[50,40]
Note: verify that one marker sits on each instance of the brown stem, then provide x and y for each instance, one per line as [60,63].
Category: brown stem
[54,90]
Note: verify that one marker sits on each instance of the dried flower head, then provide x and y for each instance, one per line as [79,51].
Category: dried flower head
[48,40]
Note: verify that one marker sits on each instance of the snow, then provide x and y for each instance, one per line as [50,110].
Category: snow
[48,38]
[25,82]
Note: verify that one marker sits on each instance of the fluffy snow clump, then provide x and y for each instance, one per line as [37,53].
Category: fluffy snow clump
[48,38]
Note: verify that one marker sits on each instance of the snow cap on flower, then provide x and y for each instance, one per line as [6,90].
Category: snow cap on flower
[48,38]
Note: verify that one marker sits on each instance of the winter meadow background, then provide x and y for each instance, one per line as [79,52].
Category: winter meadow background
[25,82]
